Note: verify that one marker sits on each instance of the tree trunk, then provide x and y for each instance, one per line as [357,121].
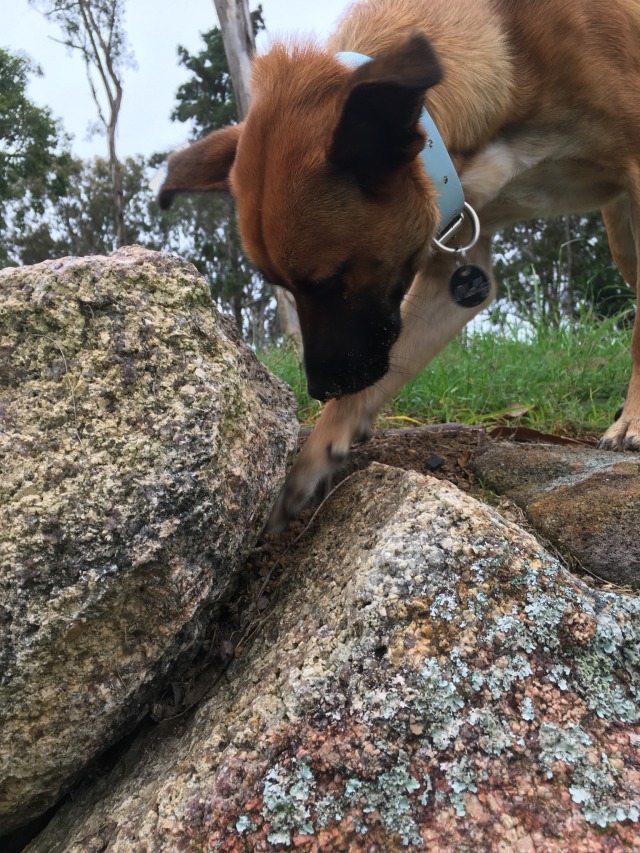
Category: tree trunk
[117,191]
[288,322]
[239,44]
[97,52]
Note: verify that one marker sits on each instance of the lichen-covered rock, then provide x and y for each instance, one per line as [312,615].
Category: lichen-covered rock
[141,446]
[587,502]
[430,679]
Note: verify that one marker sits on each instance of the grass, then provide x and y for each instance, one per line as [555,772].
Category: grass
[566,381]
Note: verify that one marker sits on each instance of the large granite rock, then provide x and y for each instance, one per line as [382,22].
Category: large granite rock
[431,679]
[584,501]
[141,446]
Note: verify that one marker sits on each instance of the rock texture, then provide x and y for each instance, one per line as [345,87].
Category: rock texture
[141,446]
[586,502]
[430,679]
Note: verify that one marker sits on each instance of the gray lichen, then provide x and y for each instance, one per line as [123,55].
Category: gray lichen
[589,637]
[286,795]
[593,776]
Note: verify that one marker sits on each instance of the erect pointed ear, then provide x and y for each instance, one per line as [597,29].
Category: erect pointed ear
[378,128]
[203,166]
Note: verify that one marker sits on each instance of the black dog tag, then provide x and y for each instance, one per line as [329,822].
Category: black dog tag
[469,285]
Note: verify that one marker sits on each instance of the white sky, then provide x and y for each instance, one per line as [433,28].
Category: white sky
[154,29]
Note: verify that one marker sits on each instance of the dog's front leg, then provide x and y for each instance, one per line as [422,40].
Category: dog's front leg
[430,319]
[622,219]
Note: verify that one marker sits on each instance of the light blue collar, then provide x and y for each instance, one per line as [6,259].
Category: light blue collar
[435,158]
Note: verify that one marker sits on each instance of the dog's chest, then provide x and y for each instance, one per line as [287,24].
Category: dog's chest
[538,173]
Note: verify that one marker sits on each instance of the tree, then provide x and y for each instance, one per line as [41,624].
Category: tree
[551,267]
[31,162]
[79,223]
[216,251]
[239,44]
[207,101]
[95,28]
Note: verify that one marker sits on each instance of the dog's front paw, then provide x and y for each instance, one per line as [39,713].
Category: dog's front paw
[624,434]
[343,421]
[309,478]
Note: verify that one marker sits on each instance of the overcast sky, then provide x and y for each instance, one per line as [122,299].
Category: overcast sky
[154,29]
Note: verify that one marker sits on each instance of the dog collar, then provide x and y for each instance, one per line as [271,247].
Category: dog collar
[437,164]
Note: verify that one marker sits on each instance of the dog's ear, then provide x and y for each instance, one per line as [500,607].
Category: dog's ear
[378,127]
[202,167]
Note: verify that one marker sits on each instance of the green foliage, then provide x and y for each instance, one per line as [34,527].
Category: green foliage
[30,160]
[202,229]
[573,377]
[547,268]
[81,222]
[199,228]
[206,100]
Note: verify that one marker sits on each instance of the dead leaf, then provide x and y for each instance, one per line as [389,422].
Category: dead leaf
[526,434]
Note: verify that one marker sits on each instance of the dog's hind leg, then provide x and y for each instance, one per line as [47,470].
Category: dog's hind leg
[622,218]
[430,319]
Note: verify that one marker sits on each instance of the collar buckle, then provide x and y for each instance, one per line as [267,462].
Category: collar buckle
[440,242]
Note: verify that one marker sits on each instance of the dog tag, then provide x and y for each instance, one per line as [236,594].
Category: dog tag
[469,286]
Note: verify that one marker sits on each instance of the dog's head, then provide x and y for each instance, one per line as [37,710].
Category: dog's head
[332,204]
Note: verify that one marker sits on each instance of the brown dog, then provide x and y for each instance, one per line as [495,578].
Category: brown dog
[538,104]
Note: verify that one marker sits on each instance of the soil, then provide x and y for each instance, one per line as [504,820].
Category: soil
[445,451]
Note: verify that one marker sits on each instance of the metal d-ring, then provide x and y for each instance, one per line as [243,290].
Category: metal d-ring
[439,242]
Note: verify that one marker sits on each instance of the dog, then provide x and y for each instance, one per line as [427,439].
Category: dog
[537,107]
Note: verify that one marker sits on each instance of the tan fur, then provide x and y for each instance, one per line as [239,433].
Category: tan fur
[471,46]
[540,110]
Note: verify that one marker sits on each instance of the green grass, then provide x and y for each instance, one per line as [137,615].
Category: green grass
[568,381]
